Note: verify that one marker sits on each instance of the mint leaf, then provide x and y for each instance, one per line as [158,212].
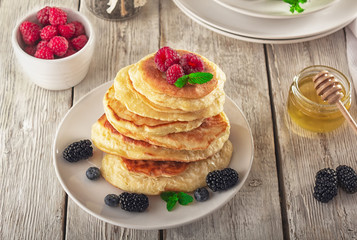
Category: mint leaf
[184,198]
[172,200]
[295,5]
[199,77]
[181,81]
[166,195]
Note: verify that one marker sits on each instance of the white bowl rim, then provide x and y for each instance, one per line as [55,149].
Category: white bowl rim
[16,45]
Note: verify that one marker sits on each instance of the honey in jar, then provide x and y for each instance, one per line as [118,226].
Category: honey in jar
[307,109]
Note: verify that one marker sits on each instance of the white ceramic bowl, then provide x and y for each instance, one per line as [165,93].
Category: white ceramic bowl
[56,74]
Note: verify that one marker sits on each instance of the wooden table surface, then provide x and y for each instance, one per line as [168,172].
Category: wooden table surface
[276,201]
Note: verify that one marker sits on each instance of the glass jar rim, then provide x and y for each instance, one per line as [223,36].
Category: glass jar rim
[344,81]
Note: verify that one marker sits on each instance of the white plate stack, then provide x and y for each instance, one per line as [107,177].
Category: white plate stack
[270,21]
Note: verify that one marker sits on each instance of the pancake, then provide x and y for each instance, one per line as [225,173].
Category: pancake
[109,140]
[134,102]
[121,118]
[182,99]
[115,172]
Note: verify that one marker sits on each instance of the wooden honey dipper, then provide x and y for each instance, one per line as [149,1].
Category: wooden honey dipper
[329,89]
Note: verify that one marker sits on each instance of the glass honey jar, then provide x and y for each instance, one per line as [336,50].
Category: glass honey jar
[307,109]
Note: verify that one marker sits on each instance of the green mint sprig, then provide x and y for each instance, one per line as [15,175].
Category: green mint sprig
[171,198]
[295,5]
[193,78]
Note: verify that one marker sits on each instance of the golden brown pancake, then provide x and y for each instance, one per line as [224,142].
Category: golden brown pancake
[116,173]
[109,140]
[157,80]
[122,118]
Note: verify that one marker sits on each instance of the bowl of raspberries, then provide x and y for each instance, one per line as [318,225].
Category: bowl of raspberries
[54,47]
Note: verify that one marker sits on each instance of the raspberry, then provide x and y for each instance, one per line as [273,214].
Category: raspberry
[67,30]
[42,16]
[173,73]
[59,45]
[191,63]
[31,50]
[79,42]
[70,51]
[79,29]
[42,44]
[44,53]
[57,16]
[30,32]
[166,57]
[48,32]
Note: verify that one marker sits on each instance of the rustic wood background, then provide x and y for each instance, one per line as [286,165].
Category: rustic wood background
[276,201]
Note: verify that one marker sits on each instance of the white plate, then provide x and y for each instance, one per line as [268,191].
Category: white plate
[214,14]
[89,195]
[274,8]
[262,40]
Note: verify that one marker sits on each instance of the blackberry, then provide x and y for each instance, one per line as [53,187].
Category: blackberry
[219,180]
[347,178]
[133,202]
[325,188]
[93,173]
[201,194]
[78,150]
[112,200]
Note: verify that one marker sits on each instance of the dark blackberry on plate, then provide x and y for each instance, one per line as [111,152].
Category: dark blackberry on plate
[347,178]
[78,150]
[133,202]
[325,188]
[220,180]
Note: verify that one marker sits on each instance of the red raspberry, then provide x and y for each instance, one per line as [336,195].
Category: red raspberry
[173,73]
[79,42]
[30,50]
[44,53]
[48,32]
[191,63]
[42,16]
[59,45]
[67,30]
[166,57]
[42,44]
[70,51]
[57,16]
[79,29]
[30,32]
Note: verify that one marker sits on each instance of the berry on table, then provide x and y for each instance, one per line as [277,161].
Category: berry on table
[220,180]
[325,188]
[191,63]
[78,150]
[93,173]
[133,202]
[44,53]
[201,194]
[347,178]
[79,42]
[57,16]
[48,32]
[67,30]
[30,32]
[173,73]
[42,16]
[112,200]
[59,45]
[166,57]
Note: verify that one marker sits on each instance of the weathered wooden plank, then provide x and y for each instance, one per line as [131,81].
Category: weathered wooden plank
[30,207]
[118,44]
[303,153]
[254,213]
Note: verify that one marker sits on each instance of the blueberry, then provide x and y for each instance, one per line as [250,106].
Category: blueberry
[201,194]
[112,200]
[93,173]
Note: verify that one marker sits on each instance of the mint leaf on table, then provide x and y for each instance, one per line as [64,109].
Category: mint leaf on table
[295,5]
[193,78]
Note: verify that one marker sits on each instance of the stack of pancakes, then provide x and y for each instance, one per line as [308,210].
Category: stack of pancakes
[158,137]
